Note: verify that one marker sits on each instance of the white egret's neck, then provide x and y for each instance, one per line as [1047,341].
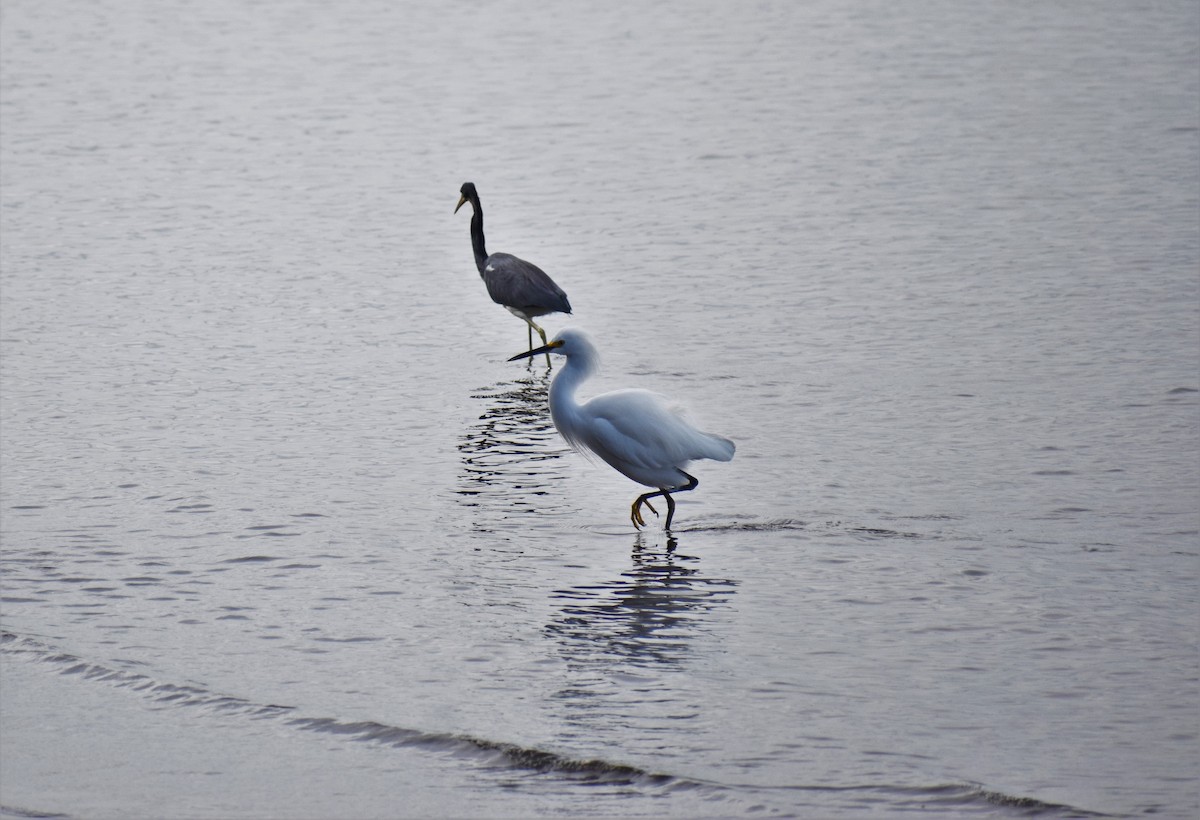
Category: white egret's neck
[564,408]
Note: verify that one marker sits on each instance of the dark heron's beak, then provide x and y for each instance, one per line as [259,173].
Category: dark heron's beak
[461,201]
[543,349]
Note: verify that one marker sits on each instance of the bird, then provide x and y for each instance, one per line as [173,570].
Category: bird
[639,433]
[522,287]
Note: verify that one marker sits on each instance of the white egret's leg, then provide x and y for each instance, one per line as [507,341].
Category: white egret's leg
[638,522]
[670,510]
[636,516]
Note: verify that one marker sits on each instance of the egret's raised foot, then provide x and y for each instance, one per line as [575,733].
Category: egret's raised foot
[636,514]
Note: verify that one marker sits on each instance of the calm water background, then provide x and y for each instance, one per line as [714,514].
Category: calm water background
[284,534]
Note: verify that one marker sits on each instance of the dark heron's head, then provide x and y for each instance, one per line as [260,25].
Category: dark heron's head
[468,195]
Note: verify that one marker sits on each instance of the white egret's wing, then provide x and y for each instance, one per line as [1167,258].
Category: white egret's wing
[641,429]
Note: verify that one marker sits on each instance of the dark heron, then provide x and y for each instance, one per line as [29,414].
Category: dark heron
[639,433]
[520,286]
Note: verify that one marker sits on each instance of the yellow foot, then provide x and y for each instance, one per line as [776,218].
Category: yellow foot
[636,514]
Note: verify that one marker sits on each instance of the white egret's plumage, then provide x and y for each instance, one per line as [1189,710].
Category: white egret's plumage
[637,432]
[521,287]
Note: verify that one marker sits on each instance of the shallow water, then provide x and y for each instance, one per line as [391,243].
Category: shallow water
[285,535]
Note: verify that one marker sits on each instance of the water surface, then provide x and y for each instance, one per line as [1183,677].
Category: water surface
[285,534]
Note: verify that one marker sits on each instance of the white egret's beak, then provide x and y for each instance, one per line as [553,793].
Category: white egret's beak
[544,349]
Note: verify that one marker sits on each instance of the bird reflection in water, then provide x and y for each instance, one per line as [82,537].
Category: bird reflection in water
[651,615]
[509,455]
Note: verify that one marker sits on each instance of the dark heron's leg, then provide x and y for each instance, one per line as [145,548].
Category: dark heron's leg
[532,327]
[545,341]
[636,517]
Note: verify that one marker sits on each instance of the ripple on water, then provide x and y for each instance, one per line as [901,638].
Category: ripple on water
[489,754]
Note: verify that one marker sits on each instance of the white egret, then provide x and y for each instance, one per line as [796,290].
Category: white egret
[522,287]
[639,433]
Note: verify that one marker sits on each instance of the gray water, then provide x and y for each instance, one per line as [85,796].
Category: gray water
[286,536]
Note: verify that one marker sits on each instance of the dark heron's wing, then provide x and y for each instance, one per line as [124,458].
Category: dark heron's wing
[518,284]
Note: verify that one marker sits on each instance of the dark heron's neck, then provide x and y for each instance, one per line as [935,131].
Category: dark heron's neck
[477,245]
